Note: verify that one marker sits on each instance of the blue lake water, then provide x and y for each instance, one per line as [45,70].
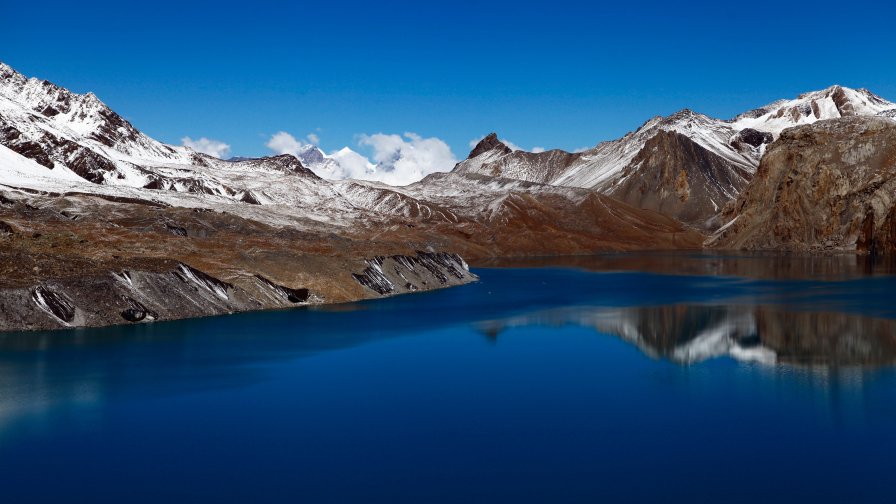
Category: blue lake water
[621,378]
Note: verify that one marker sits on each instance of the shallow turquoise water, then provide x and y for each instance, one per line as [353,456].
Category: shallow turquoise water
[537,384]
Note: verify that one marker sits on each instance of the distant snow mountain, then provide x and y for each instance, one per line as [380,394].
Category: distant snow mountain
[315,160]
[831,103]
[77,136]
[687,165]
[57,142]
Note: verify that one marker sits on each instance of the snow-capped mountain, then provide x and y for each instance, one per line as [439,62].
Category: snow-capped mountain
[83,146]
[322,165]
[687,165]
[77,132]
[831,103]
[82,142]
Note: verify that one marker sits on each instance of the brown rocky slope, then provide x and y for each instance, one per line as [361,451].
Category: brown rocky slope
[826,186]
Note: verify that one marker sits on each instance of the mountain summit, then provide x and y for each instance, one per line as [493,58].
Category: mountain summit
[687,165]
[490,143]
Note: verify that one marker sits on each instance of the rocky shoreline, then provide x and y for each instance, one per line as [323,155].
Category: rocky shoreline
[83,261]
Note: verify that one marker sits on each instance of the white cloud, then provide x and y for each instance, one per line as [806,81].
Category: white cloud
[284,143]
[352,165]
[510,144]
[395,159]
[207,146]
[403,159]
[536,150]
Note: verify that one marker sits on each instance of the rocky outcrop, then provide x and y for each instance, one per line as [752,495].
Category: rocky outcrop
[752,138]
[401,273]
[490,143]
[826,186]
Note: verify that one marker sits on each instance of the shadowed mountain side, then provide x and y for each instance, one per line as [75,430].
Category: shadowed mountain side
[675,176]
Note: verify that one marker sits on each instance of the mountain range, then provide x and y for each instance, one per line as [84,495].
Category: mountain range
[101,224]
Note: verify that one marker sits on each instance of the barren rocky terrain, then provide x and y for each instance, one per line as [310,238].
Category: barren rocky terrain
[825,186]
[101,224]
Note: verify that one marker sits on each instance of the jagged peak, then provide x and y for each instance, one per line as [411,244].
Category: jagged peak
[489,143]
[5,69]
[837,89]
[831,90]
[828,90]
[686,114]
[828,103]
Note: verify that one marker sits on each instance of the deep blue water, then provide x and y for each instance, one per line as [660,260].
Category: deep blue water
[766,380]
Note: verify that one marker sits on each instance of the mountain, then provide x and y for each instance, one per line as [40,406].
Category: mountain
[827,185]
[687,165]
[831,103]
[322,165]
[101,224]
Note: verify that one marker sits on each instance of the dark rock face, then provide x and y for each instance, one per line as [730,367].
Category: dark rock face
[175,229]
[83,161]
[675,176]
[59,305]
[249,198]
[844,106]
[403,273]
[136,311]
[826,186]
[290,294]
[86,163]
[490,142]
[188,274]
[13,139]
[752,137]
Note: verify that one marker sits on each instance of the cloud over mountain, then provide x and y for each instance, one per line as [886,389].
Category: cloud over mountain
[207,146]
[394,159]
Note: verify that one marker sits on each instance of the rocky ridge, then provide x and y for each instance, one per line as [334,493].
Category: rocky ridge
[830,185]
[101,224]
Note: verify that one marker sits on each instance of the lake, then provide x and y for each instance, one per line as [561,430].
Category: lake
[629,377]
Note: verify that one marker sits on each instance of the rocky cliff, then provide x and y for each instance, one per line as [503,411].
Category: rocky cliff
[830,185]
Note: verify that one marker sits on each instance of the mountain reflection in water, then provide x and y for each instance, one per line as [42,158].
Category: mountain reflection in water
[845,319]
[688,334]
[534,370]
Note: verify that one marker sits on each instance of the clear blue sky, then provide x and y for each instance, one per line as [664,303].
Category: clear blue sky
[559,74]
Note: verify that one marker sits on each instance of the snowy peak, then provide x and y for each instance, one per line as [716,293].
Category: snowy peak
[489,143]
[321,164]
[310,154]
[830,103]
[39,107]
[282,162]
